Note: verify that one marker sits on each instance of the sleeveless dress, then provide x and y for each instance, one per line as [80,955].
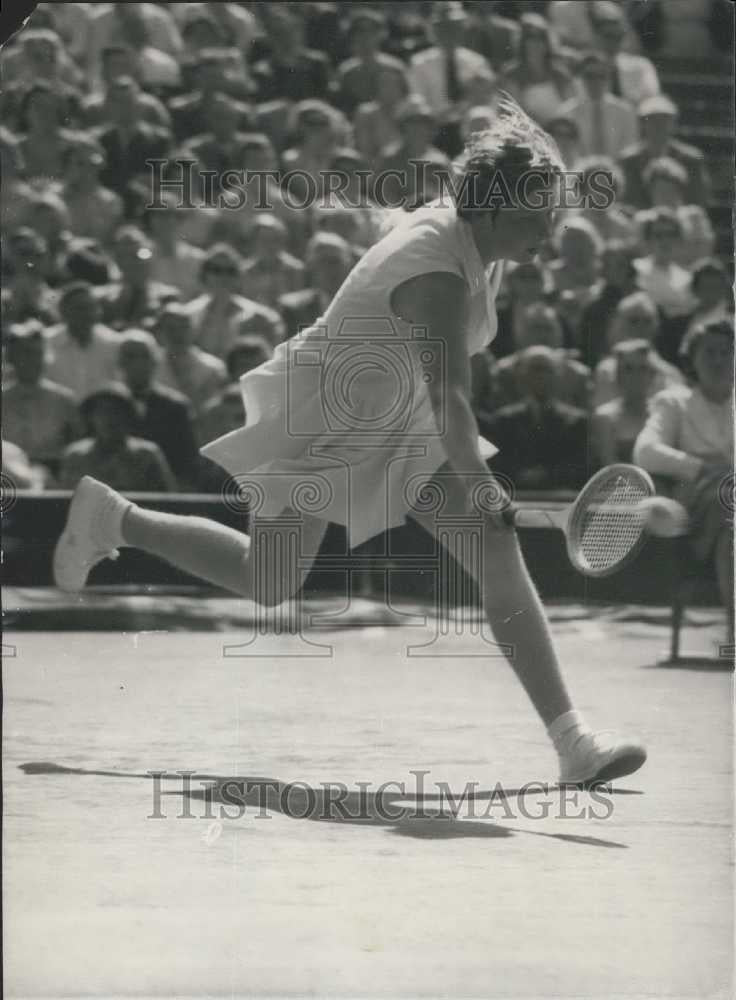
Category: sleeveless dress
[339,420]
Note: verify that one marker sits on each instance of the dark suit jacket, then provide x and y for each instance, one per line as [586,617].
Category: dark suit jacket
[635,158]
[168,422]
[555,440]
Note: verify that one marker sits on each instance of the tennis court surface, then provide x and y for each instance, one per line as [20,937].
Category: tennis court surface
[413,893]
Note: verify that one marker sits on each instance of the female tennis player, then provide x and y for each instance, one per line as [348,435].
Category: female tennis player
[372,399]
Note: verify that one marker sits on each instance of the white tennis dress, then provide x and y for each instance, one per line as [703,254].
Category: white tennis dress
[339,422]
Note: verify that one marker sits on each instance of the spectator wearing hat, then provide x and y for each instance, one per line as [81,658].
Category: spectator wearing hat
[225,411]
[617,423]
[713,292]
[38,415]
[128,142]
[657,121]
[220,312]
[440,73]
[95,212]
[123,60]
[666,182]
[374,123]
[358,78]
[658,273]
[136,297]
[184,366]
[161,414]
[174,261]
[539,78]
[540,326]
[607,123]
[83,351]
[271,271]
[403,165]
[688,438]
[633,77]
[111,452]
[542,440]
[290,70]
[328,262]
[635,318]
[26,293]
[234,22]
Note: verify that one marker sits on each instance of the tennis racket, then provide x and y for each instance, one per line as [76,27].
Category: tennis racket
[606,526]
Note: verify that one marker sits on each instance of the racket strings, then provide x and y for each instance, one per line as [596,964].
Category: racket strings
[609,525]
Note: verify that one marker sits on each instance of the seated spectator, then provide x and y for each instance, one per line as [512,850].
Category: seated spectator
[408,32]
[600,192]
[122,60]
[539,79]
[318,131]
[162,415]
[542,441]
[570,307]
[404,165]
[45,137]
[95,212]
[578,261]
[26,293]
[220,148]
[47,215]
[619,280]
[291,70]
[70,21]
[359,77]
[39,55]
[689,439]
[136,297]
[128,142]
[566,133]
[657,273]
[234,21]
[225,411]
[616,424]
[666,183]
[374,123]
[574,24]
[221,310]
[607,124]
[210,76]
[147,28]
[527,285]
[174,262]
[185,367]
[328,263]
[83,353]
[271,271]
[541,328]
[38,415]
[111,453]
[18,469]
[440,73]
[494,36]
[713,293]
[349,209]
[636,317]
[657,122]
[633,77]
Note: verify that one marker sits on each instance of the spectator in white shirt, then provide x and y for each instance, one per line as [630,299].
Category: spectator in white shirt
[666,183]
[183,366]
[658,273]
[689,439]
[144,26]
[607,124]
[633,77]
[83,352]
[174,261]
[440,73]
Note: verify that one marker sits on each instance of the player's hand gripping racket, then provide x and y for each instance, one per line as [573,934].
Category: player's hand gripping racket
[607,524]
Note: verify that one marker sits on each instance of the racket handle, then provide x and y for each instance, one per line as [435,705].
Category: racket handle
[525,518]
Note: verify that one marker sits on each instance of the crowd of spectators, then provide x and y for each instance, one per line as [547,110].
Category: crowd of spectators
[126,327]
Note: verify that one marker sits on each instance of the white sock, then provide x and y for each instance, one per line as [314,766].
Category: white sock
[566,728]
[107,529]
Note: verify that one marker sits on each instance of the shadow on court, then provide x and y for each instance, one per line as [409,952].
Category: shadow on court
[424,816]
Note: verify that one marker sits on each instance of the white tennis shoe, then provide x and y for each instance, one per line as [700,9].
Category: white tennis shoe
[91,534]
[591,757]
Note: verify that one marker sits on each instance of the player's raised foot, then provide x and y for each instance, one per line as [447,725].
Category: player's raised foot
[593,757]
[92,533]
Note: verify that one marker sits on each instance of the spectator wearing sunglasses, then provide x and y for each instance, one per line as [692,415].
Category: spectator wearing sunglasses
[658,273]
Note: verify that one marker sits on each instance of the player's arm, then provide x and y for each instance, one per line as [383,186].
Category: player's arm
[440,302]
